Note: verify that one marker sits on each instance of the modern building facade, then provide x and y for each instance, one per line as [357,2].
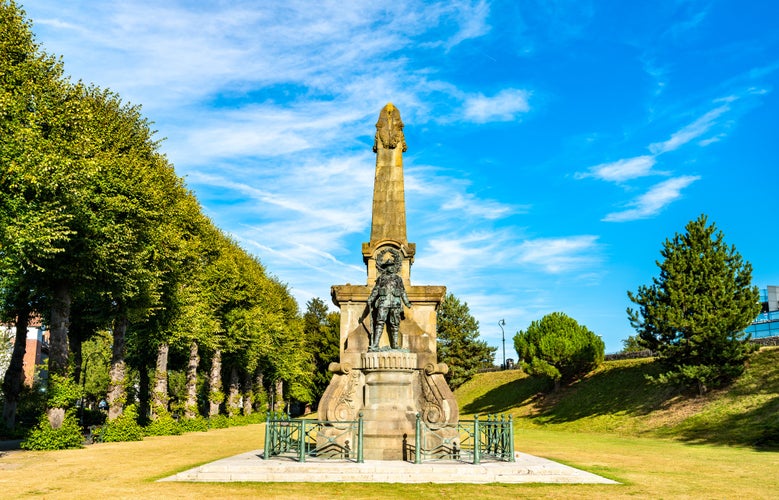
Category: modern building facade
[767,322]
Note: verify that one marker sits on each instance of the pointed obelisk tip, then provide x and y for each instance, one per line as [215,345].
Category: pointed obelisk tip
[389,130]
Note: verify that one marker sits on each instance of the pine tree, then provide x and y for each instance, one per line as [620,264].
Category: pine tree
[559,347]
[695,313]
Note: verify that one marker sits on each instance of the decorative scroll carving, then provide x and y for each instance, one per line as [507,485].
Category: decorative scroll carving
[347,407]
[389,130]
[437,403]
[343,398]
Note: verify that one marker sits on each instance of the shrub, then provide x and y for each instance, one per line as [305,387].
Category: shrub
[123,428]
[218,422]
[44,437]
[163,425]
[197,424]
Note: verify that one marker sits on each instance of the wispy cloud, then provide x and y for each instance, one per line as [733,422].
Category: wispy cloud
[506,105]
[621,170]
[654,200]
[487,209]
[690,132]
[558,255]
[472,21]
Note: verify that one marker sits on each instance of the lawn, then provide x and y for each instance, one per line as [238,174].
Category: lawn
[648,468]
[657,442]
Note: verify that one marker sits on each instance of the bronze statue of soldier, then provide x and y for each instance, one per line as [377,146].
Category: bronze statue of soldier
[387,298]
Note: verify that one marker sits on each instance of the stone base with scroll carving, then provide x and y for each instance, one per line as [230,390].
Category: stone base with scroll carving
[390,388]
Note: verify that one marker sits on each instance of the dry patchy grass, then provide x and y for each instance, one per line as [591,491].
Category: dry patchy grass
[649,468]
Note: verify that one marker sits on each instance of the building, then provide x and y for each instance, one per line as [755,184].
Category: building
[36,352]
[767,322]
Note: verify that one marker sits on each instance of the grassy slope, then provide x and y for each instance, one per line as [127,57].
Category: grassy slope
[617,399]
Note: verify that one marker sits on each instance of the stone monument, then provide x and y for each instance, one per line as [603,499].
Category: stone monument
[388,368]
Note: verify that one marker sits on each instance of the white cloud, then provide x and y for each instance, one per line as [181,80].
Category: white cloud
[503,106]
[558,255]
[487,209]
[690,132]
[472,21]
[654,200]
[622,170]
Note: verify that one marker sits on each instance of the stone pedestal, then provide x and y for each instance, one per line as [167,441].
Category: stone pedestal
[389,410]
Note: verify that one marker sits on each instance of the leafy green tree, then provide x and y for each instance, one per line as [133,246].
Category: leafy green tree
[559,347]
[694,314]
[323,336]
[632,344]
[96,354]
[34,224]
[458,342]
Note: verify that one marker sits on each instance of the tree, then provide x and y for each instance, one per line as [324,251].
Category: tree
[559,347]
[694,314]
[458,342]
[322,331]
[632,344]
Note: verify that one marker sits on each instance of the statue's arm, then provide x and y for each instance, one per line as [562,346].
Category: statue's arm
[373,294]
[404,296]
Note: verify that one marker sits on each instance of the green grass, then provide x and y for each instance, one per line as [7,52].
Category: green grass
[659,443]
[647,468]
[618,399]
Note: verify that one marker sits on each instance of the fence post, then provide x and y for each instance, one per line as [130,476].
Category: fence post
[266,451]
[359,439]
[511,439]
[476,440]
[302,440]
[418,441]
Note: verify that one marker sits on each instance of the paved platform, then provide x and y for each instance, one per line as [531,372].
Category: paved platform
[250,467]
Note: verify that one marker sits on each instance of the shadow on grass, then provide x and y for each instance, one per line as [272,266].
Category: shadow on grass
[746,414]
[507,396]
[621,390]
[757,428]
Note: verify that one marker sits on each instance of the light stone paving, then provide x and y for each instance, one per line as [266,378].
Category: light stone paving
[250,467]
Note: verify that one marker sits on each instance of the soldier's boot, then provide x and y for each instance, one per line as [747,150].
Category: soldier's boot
[394,339]
[376,337]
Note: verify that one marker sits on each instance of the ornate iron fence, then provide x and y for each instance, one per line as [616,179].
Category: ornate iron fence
[301,438]
[469,441]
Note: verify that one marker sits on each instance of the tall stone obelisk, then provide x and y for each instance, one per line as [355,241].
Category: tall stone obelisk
[395,376]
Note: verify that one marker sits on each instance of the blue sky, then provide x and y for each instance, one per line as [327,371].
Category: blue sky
[552,145]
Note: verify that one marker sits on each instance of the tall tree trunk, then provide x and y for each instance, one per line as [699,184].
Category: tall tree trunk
[215,394]
[60,322]
[117,393]
[248,395]
[58,344]
[234,398]
[14,375]
[279,400]
[259,388]
[190,408]
[78,358]
[160,393]
[144,389]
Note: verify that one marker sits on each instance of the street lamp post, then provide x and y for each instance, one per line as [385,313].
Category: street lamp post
[501,323]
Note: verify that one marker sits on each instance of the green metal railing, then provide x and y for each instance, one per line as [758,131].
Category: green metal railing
[300,438]
[469,441]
